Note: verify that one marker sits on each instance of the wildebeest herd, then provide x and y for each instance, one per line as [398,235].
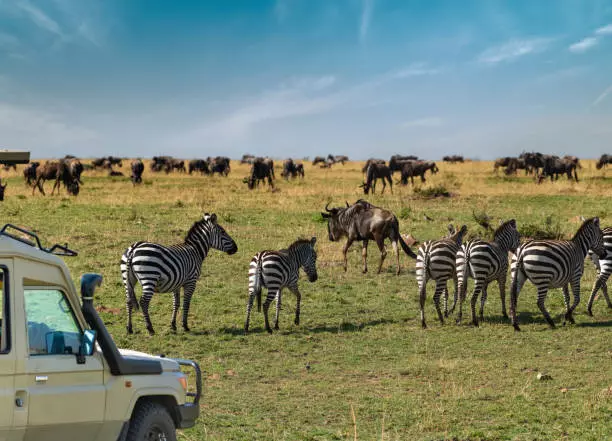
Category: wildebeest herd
[67,172]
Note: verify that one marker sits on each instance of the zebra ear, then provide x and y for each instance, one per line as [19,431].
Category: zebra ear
[596,221]
[512,223]
[313,241]
[582,218]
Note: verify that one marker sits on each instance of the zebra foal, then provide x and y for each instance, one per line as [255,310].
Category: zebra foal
[163,269]
[604,269]
[276,270]
[436,261]
[554,264]
[486,262]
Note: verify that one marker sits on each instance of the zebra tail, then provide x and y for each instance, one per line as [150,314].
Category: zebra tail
[129,255]
[258,283]
[405,247]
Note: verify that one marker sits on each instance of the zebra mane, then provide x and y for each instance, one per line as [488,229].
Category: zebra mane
[503,226]
[196,226]
[297,243]
[584,225]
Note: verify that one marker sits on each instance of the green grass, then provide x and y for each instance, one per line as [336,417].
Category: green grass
[359,350]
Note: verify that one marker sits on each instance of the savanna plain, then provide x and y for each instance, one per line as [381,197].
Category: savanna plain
[359,366]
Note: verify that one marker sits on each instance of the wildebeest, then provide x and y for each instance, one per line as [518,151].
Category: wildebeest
[160,163]
[318,159]
[501,162]
[113,160]
[534,161]
[200,165]
[98,162]
[8,167]
[137,167]
[175,164]
[29,173]
[260,170]
[115,173]
[603,161]
[247,159]
[453,158]
[417,168]
[219,164]
[396,162]
[292,169]
[514,165]
[2,188]
[60,171]
[375,172]
[573,159]
[555,166]
[337,158]
[364,221]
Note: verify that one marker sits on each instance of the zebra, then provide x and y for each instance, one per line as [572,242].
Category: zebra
[436,261]
[278,269]
[163,269]
[486,262]
[604,269]
[554,264]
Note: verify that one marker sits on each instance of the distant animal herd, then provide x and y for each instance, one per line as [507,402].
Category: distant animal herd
[67,171]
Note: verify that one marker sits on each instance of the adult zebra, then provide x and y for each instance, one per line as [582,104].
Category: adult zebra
[436,261]
[604,269]
[554,264]
[163,269]
[486,262]
[276,270]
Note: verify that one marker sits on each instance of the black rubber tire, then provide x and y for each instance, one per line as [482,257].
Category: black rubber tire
[149,418]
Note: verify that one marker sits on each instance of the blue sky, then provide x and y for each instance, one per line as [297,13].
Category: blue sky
[306,77]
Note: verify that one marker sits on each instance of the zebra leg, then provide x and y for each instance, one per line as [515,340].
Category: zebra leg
[566,300]
[462,293]
[518,280]
[445,297]
[575,284]
[147,294]
[455,295]
[602,278]
[477,289]
[422,297]
[542,291]
[604,289]
[188,289]
[380,241]
[483,300]
[266,306]
[440,287]
[364,255]
[129,282]
[176,304]
[501,282]
[252,294]
[347,245]
[278,308]
[298,297]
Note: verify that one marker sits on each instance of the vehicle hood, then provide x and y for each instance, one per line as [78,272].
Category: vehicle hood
[168,364]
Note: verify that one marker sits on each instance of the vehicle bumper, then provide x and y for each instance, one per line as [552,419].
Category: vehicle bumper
[188,414]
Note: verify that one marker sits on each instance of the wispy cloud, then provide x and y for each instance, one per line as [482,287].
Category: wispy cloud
[281,10]
[433,121]
[602,96]
[513,50]
[583,45]
[39,18]
[604,30]
[414,70]
[366,17]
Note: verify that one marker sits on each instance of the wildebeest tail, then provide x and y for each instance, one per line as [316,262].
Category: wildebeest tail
[405,247]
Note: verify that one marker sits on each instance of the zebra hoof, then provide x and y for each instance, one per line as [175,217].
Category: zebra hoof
[173,327]
[269,330]
[151,331]
[516,327]
[590,313]
[130,330]
[423,325]
[186,328]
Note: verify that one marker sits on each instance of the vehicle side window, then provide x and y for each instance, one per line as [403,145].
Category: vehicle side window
[4,322]
[52,326]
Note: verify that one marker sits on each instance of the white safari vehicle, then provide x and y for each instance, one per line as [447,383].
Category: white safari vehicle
[61,375]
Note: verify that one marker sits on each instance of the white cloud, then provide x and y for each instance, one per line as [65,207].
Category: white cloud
[366,18]
[602,96]
[513,50]
[604,30]
[414,70]
[38,17]
[583,45]
[433,121]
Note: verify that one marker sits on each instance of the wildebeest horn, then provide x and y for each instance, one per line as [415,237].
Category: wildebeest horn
[327,208]
[347,204]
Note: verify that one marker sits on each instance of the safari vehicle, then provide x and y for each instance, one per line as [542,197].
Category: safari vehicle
[61,375]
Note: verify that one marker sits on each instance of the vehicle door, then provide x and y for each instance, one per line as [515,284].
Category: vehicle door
[66,398]
[7,357]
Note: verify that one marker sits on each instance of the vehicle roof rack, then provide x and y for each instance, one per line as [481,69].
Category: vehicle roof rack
[57,249]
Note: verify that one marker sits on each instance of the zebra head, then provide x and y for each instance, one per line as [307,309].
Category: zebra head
[309,260]
[508,235]
[217,236]
[591,235]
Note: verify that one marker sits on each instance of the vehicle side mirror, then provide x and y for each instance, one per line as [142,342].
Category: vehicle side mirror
[88,343]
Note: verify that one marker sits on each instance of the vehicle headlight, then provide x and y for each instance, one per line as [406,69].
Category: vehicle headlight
[183,380]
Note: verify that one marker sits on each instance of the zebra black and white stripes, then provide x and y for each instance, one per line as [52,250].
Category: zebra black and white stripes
[163,269]
[554,264]
[485,262]
[436,261]
[275,270]
[604,269]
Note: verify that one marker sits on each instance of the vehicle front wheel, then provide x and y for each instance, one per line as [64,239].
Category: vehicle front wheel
[151,422]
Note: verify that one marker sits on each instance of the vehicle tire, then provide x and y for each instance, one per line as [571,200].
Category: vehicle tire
[151,422]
